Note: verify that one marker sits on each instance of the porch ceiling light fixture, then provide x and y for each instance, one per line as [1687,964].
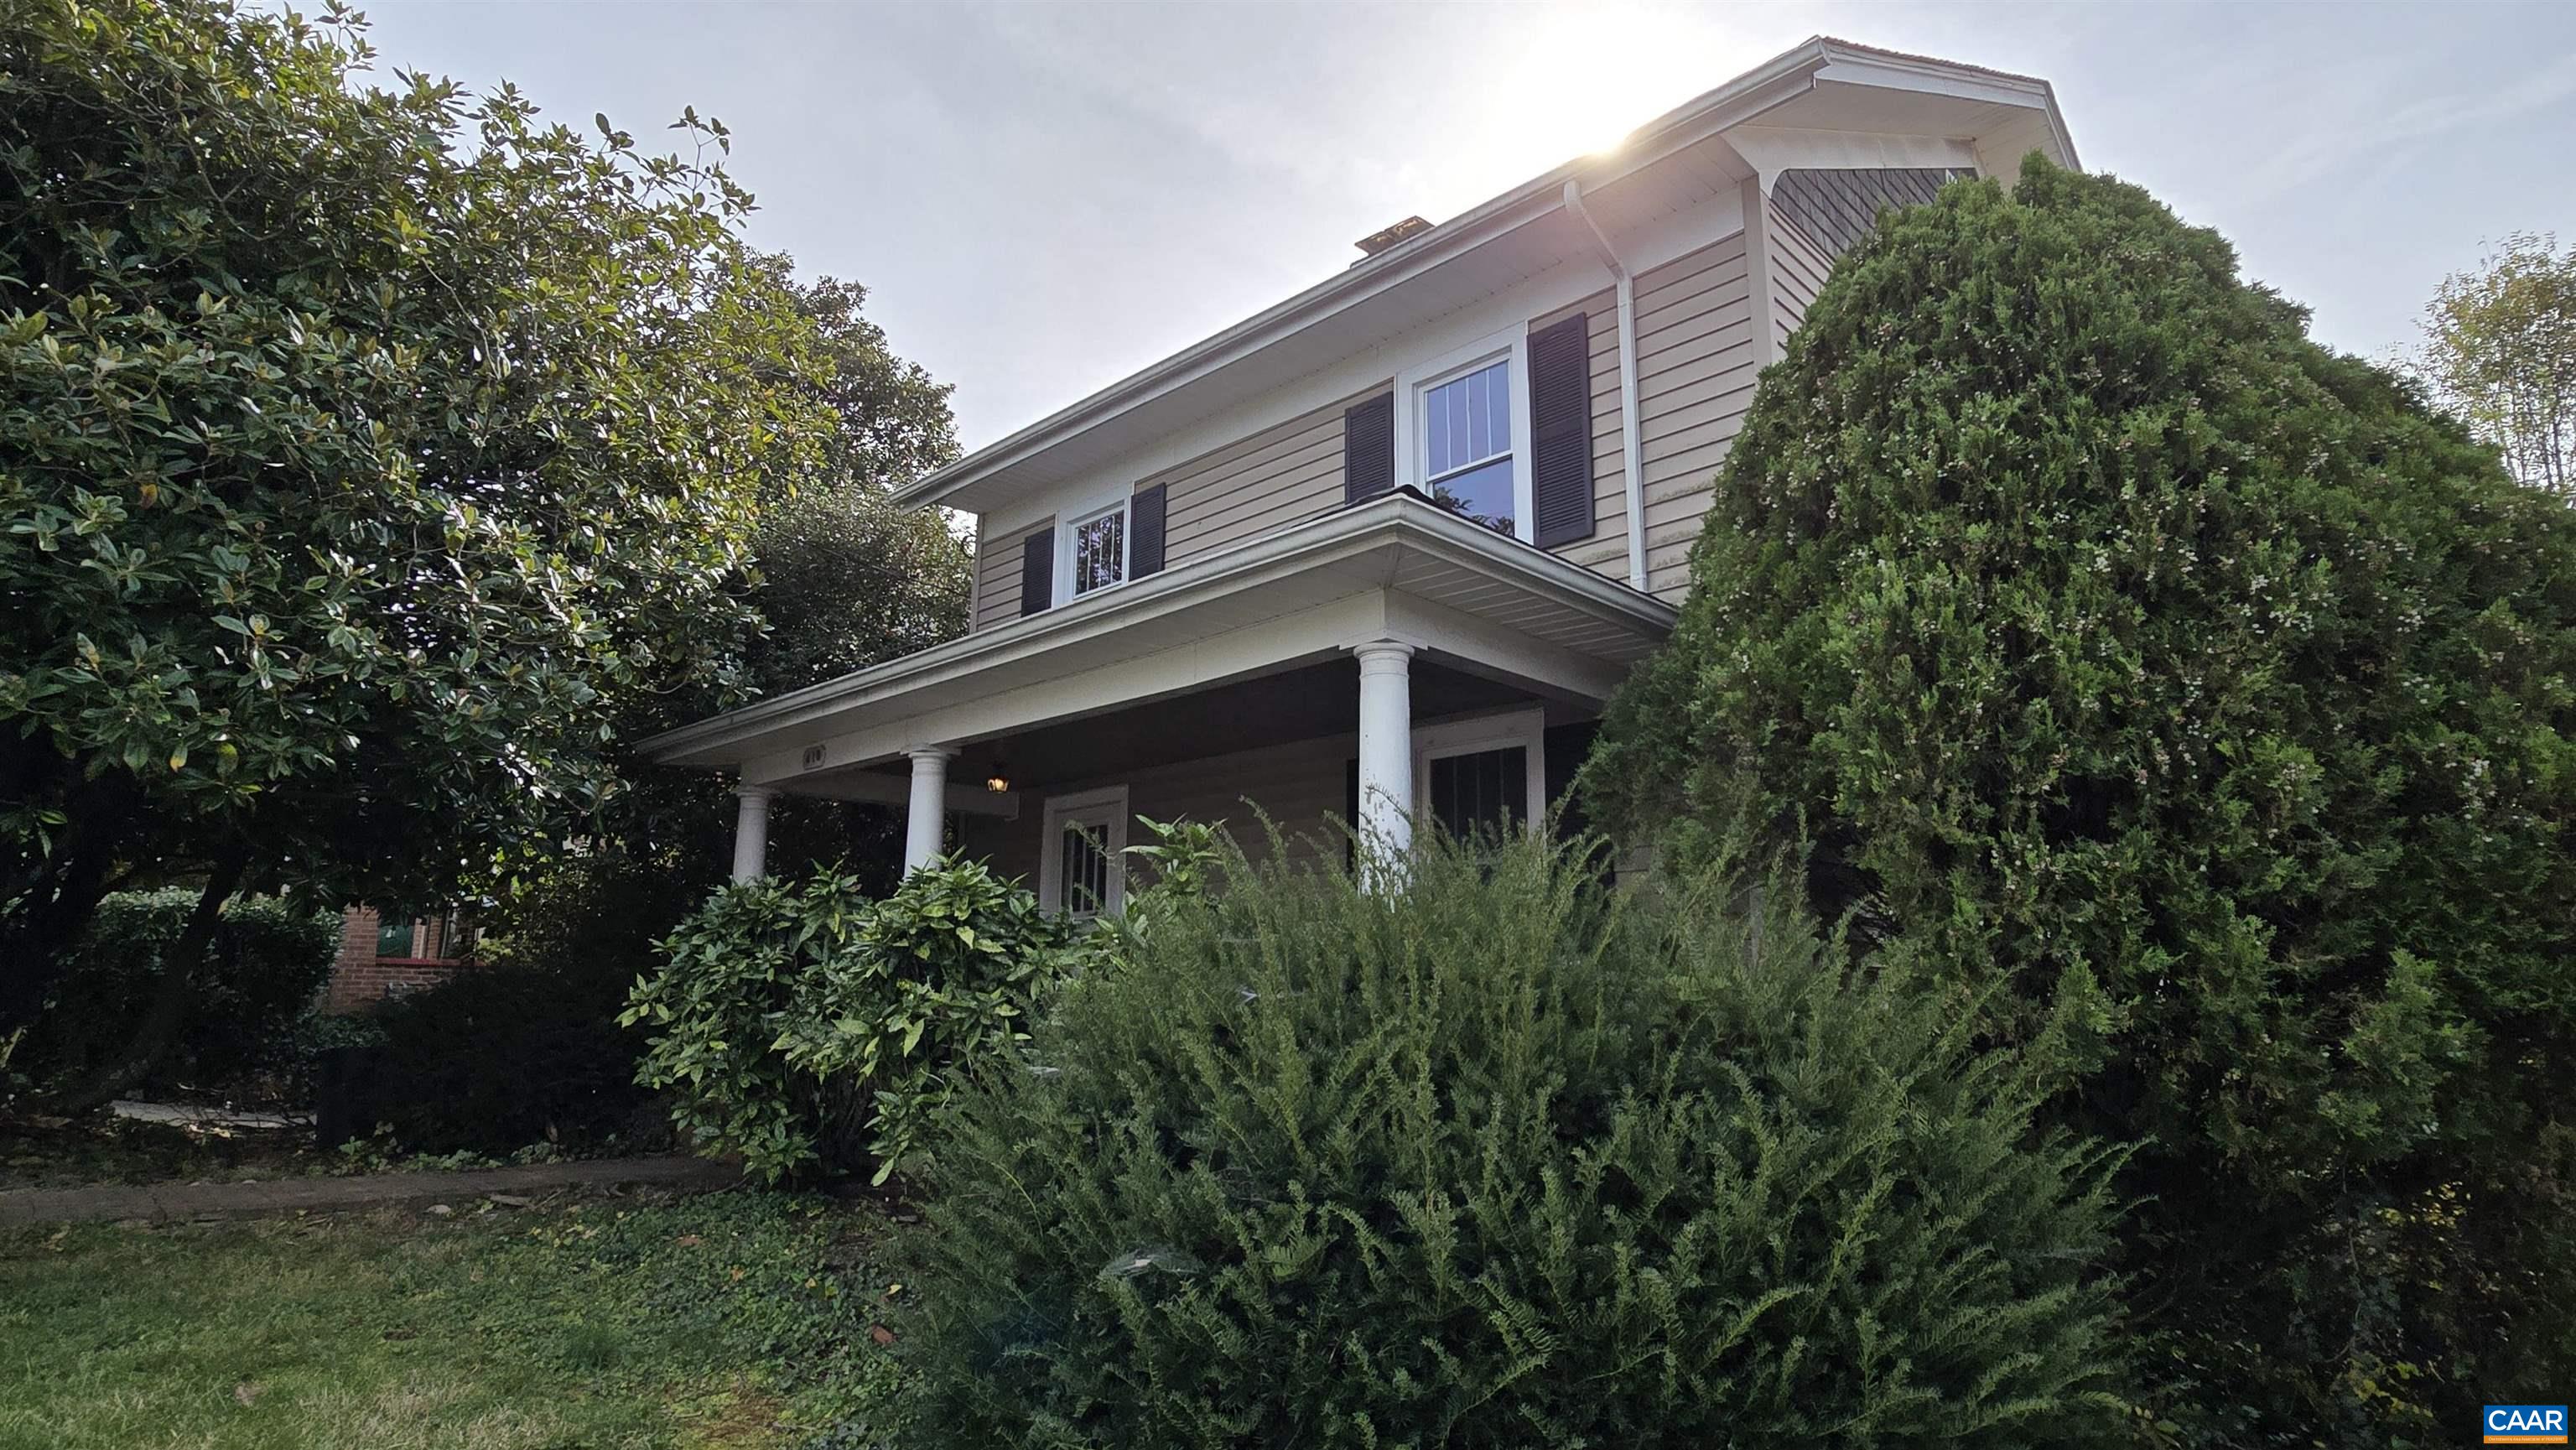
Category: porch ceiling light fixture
[999,782]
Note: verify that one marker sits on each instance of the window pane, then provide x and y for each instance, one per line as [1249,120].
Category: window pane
[1461,403]
[1480,425]
[1483,494]
[1100,552]
[1467,420]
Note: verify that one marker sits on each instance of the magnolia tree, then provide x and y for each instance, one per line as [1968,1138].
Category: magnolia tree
[366,456]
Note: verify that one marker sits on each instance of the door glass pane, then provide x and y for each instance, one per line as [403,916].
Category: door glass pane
[1085,868]
[1486,791]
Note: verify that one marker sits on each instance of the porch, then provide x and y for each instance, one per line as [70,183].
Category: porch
[1387,664]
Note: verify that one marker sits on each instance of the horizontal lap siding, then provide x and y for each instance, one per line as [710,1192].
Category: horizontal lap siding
[1298,785]
[1695,375]
[1606,550]
[1799,266]
[1280,476]
[997,576]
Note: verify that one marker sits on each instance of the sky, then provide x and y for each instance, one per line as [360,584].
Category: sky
[1044,198]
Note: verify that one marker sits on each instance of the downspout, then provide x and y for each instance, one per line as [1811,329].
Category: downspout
[1631,445]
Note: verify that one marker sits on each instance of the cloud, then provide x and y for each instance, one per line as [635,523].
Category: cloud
[2367,129]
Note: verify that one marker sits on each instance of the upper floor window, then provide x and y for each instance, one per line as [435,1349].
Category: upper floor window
[1099,545]
[1462,431]
[1467,445]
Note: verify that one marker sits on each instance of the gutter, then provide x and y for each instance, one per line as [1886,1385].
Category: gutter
[1631,444]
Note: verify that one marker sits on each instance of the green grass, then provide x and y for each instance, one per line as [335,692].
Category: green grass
[737,1319]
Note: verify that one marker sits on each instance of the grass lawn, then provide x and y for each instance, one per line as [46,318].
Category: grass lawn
[734,1319]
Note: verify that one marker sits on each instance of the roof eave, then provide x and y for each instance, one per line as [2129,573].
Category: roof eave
[1398,518]
[1786,74]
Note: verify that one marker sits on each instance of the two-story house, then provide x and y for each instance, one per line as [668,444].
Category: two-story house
[1383,550]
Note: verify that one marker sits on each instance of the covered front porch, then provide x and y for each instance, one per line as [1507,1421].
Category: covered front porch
[1390,664]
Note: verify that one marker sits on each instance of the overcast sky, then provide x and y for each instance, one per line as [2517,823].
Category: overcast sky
[1043,198]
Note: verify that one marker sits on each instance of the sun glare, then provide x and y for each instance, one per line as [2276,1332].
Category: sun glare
[1586,84]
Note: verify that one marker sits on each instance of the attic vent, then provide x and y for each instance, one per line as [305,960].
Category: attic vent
[1376,242]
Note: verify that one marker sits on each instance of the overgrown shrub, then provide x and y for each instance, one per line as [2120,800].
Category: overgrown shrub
[805,1026]
[496,1059]
[1505,1160]
[2082,611]
[260,973]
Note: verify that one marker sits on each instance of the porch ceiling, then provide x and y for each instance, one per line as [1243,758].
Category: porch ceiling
[1474,604]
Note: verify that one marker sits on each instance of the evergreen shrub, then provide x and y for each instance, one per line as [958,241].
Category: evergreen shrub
[1507,1160]
[2082,612]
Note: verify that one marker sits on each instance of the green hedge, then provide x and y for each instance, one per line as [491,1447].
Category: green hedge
[268,960]
[1505,1161]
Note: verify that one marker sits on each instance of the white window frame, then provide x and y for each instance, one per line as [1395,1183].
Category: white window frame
[1078,807]
[1087,511]
[1414,385]
[1526,728]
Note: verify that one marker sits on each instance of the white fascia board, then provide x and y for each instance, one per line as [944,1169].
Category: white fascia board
[1309,549]
[1888,70]
[1305,637]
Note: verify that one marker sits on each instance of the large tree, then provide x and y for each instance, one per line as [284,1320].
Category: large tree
[2078,614]
[366,454]
[844,579]
[2500,350]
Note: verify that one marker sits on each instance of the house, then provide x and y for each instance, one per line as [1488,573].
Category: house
[1383,550]
[386,954]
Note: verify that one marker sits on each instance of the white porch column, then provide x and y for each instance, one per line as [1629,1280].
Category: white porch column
[751,832]
[928,808]
[1386,746]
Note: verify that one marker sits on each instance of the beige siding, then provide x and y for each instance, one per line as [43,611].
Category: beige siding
[1297,784]
[1282,475]
[1606,551]
[1798,268]
[1695,373]
[997,575]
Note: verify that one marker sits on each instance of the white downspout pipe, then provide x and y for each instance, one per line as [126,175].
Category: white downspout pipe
[1631,445]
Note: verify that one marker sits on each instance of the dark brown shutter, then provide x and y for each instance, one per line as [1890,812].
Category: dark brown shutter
[1145,532]
[1368,448]
[1560,384]
[1037,571]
